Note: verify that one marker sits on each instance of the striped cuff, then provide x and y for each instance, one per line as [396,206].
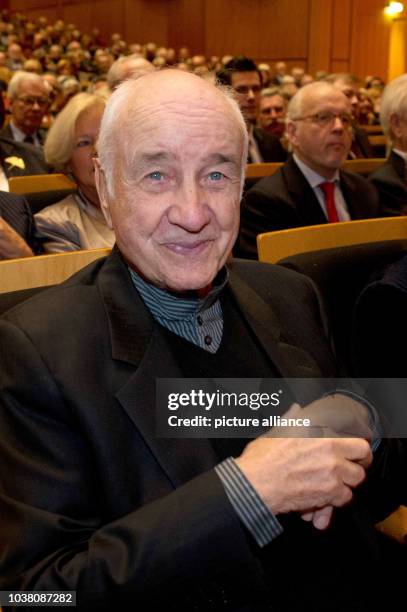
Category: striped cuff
[250,508]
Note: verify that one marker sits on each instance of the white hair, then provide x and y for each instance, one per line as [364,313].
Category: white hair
[59,144]
[119,116]
[393,102]
[21,76]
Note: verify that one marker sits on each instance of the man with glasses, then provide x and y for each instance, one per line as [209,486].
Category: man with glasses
[310,188]
[242,74]
[28,95]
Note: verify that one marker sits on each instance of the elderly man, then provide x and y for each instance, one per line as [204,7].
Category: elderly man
[310,188]
[272,111]
[28,95]
[242,75]
[390,179]
[90,498]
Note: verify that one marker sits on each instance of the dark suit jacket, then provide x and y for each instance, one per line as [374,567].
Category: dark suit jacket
[380,331]
[286,200]
[15,210]
[361,139]
[91,499]
[270,146]
[6,132]
[32,156]
[390,181]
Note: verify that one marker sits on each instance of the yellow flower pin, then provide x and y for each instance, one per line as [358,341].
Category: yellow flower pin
[15,162]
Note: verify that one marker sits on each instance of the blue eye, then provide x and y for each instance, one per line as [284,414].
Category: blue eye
[216,176]
[83,143]
[155,176]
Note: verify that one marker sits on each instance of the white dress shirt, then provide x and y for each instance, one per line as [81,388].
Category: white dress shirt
[314,179]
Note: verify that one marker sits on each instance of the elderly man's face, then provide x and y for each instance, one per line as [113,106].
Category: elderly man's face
[175,209]
[322,144]
[29,107]
[272,114]
[247,86]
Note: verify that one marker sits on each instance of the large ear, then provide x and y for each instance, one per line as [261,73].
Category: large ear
[291,132]
[100,180]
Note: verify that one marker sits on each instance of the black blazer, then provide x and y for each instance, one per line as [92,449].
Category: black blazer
[390,181]
[286,200]
[6,132]
[33,158]
[15,210]
[270,146]
[91,499]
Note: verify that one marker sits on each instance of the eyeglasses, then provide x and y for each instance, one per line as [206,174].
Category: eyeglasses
[244,89]
[326,119]
[32,100]
[268,111]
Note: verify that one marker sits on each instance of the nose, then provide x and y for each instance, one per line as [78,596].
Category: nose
[274,113]
[337,125]
[250,94]
[190,210]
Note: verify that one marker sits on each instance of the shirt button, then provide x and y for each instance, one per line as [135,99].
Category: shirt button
[208,340]
[199,319]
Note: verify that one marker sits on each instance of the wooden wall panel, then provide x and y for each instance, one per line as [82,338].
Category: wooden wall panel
[231,27]
[281,30]
[147,21]
[89,15]
[320,35]
[341,30]
[370,38]
[186,25]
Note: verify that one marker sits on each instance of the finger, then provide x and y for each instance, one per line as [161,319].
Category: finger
[322,517]
[307,516]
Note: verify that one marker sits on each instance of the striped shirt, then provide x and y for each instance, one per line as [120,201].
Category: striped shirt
[200,321]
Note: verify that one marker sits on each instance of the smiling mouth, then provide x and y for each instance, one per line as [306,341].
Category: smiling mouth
[189,249]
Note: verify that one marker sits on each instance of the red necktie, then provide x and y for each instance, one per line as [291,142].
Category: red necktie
[328,189]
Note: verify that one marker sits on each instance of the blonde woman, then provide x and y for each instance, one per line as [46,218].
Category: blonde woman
[76,222]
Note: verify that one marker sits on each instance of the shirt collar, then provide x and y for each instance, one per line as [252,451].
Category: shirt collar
[165,305]
[402,154]
[19,135]
[313,178]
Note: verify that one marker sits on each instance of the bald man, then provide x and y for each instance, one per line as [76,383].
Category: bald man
[92,500]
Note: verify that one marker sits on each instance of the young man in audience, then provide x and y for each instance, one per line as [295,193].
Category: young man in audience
[391,179]
[91,499]
[242,75]
[29,98]
[310,188]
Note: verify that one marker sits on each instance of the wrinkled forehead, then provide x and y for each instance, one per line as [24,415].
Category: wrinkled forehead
[171,114]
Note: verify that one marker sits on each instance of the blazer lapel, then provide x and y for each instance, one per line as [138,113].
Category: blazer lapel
[289,360]
[137,340]
[308,208]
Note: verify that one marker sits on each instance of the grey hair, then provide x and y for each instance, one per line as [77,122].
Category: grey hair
[119,116]
[21,76]
[59,143]
[393,102]
[270,91]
